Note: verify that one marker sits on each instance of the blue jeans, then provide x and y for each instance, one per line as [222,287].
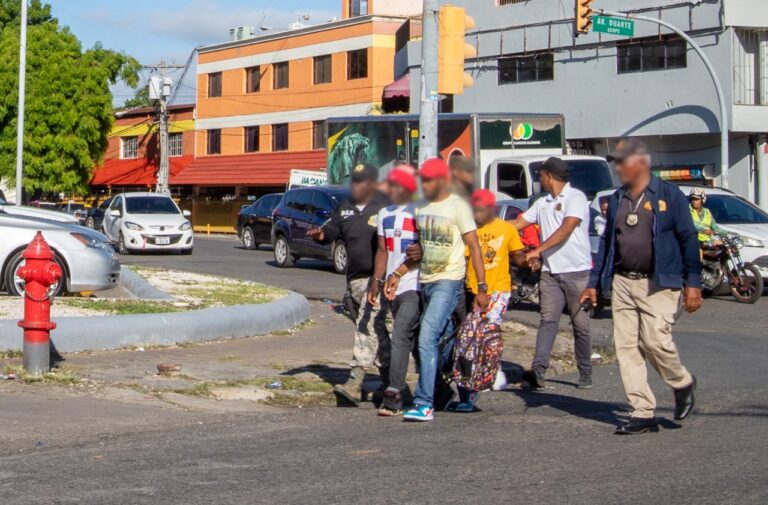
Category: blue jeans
[440,299]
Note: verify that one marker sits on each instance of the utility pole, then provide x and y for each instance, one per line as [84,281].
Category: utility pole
[429,81]
[160,90]
[725,163]
[22,93]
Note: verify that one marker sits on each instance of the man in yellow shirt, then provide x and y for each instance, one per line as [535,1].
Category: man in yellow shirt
[499,240]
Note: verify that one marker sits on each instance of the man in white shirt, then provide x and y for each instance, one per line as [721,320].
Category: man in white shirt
[565,258]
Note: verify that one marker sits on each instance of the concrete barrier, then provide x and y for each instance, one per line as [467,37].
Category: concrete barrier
[112,332]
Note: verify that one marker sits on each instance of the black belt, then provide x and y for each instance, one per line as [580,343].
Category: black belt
[631,275]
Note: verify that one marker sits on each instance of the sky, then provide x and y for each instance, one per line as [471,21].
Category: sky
[168,30]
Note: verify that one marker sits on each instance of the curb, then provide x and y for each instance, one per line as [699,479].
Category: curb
[74,334]
[140,288]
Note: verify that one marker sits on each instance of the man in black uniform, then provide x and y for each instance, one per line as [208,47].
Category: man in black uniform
[354,222]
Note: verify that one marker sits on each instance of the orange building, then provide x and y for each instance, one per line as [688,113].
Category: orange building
[262,102]
[132,158]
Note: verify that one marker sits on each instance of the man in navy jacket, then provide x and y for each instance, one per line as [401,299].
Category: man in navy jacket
[649,258]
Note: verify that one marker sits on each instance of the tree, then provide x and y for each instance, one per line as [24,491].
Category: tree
[140,99]
[68,101]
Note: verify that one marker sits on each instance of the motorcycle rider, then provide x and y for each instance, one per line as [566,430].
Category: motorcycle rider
[702,218]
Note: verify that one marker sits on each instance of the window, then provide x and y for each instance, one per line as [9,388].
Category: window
[214,85]
[175,144]
[129,147]
[318,134]
[531,68]
[358,8]
[652,54]
[280,137]
[511,179]
[323,69]
[750,67]
[251,139]
[280,77]
[357,64]
[214,142]
[252,79]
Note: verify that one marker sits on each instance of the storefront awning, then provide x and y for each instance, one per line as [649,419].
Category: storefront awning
[259,169]
[401,88]
[136,172]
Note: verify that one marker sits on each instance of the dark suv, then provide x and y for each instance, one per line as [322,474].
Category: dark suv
[254,222]
[298,211]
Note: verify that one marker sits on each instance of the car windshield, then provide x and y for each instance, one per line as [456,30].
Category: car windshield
[729,209]
[150,205]
[76,206]
[589,176]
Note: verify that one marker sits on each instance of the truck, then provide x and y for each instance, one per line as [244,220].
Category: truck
[507,149]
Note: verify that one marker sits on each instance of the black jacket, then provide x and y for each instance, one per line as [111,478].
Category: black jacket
[358,231]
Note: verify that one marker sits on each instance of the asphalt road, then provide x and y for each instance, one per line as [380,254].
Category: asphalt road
[554,446]
[225,256]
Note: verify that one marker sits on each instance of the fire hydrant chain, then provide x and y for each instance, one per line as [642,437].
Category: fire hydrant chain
[49,295]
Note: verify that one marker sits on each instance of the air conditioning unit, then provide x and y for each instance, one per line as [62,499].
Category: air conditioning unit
[242,32]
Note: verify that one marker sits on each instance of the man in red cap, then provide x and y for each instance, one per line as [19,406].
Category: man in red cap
[396,232]
[446,227]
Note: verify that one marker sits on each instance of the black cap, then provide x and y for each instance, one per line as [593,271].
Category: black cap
[365,172]
[558,168]
[626,148]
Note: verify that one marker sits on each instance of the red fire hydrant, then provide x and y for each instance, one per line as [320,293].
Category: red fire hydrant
[39,273]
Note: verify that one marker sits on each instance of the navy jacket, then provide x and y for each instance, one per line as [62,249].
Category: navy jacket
[676,255]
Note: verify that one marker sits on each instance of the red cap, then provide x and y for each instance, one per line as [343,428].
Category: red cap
[434,168]
[405,176]
[483,198]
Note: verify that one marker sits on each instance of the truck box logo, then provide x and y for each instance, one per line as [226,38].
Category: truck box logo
[523,131]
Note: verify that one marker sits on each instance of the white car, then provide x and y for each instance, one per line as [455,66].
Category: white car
[148,222]
[52,215]
[733,214]
[87,259]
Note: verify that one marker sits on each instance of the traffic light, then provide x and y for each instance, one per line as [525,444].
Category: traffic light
[453,24]
[583,16]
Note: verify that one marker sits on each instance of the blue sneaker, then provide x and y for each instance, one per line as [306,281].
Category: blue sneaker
[420,413]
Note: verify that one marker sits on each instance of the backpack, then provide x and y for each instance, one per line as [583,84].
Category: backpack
[477,354]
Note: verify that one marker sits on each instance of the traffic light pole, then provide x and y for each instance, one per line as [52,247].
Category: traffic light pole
[724,137]
[429,81]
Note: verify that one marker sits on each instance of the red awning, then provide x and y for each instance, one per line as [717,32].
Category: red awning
[258,169]
[399,88]
[136,172]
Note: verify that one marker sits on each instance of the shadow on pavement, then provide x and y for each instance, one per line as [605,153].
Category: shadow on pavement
[600,411]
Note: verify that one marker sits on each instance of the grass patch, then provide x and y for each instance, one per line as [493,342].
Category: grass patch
[232,293]
[64,376]
[124,307]
[201,389]
[10,354]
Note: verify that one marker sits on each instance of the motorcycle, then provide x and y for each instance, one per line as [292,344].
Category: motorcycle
[724,268]
[526,286]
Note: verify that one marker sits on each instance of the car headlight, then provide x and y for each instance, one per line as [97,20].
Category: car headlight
[752,242]
[92,242]
[186,226]
[133,226]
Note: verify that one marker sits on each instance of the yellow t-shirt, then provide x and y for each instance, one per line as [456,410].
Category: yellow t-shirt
[497,240]
[441,227]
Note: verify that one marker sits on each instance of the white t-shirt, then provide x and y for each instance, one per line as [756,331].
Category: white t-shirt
[397,224]
[575,254]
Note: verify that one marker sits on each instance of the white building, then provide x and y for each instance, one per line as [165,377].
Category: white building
[651,85]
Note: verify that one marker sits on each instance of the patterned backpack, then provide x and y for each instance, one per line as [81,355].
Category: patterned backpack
[477,354]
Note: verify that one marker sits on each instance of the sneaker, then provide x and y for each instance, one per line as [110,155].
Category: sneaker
[468,405]
[391,404]
[420,413]
[501,382]
[585,380]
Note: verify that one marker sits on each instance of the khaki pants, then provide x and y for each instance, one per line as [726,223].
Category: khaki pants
[642,331]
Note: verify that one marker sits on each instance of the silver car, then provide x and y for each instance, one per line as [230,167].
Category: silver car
[87,259]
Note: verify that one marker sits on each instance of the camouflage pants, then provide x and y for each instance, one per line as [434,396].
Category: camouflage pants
[372,344]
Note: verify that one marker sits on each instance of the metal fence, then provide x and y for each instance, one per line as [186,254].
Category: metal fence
[214,216]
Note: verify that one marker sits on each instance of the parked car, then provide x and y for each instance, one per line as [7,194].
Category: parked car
[87,259]
[77,210]
[299,210]
[51,215]
[733,214]
[148,222]
[95,215]
[254,222]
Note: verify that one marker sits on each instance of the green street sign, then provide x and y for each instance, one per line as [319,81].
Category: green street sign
[613,26]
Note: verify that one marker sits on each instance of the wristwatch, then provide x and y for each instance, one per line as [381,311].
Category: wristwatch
[482,287]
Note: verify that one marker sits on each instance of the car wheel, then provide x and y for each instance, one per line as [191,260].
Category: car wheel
[15,286]
[90,223]
[249,239]
[121,247]
[283,255]
[339,257]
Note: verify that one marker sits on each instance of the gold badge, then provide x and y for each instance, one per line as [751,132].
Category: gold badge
[647,206]
[662,206]
[359,168]
[372,221]
[559,207]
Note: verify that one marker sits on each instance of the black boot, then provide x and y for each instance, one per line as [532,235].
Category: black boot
[684,401]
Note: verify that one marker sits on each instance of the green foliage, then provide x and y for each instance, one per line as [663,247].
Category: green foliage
[140,99]
[68,101]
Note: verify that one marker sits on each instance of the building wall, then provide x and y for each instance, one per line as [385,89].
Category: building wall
[303,101]
[143,127]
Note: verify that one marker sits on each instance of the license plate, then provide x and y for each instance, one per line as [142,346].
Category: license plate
[162,240]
